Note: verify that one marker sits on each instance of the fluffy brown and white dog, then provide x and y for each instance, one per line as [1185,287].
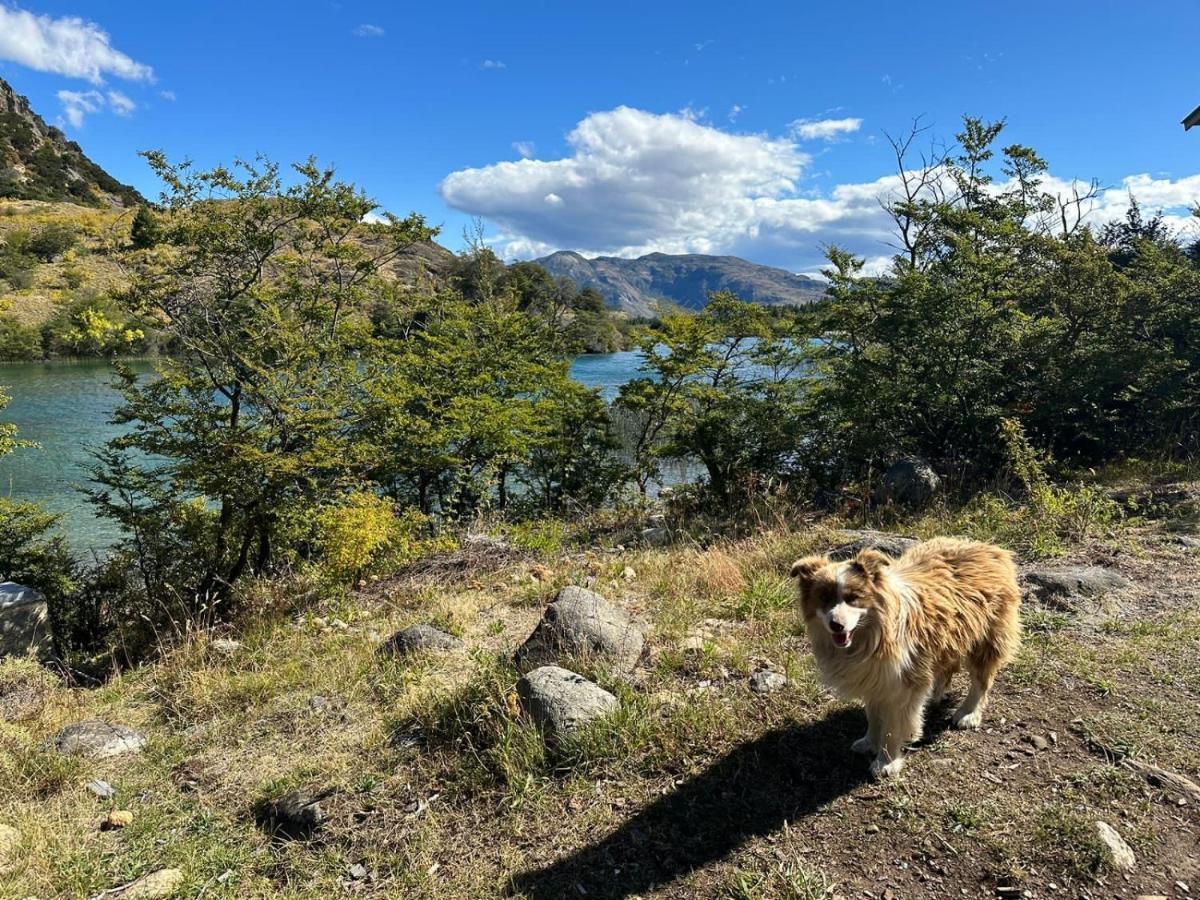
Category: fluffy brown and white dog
[892,633]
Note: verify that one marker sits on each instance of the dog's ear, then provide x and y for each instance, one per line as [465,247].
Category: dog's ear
[871,562]
[805,569]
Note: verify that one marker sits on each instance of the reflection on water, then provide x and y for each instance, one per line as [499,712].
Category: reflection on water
[65,407]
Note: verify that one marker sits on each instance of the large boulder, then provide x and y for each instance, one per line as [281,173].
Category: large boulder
[562,702]
[894,545]
[1056,584]
[417,638]
[23,621]
[97,740]
[580,624]
[910,481]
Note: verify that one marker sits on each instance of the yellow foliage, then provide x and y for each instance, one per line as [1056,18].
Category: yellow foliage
[364,530]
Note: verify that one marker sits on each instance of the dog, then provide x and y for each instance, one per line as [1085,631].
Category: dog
[893,632]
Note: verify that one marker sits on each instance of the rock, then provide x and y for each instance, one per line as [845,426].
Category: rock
[102,789]
[1038,742]
[319,704]
[24,628]
[1191,541]
[1056,584]
[97,740]
[417,638]
[894,545]
[580,624]
[358,872]
[693,644]
[117,818]
[910,481]
[162,883]
[628,573]
[562,702]
[656,536]
[295,815]
[226,646]
[767,682]
[1119,853]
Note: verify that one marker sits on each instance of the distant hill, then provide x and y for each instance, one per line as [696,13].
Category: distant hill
[638,285]
[37,162]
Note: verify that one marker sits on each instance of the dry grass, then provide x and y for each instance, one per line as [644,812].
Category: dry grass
[695,788]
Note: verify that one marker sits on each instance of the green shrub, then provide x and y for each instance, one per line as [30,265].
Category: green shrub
[51,241]
[17,340]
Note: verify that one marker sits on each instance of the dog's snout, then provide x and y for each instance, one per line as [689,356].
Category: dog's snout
[835,626]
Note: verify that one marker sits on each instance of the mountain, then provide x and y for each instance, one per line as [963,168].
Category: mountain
[37,162]
[638,285]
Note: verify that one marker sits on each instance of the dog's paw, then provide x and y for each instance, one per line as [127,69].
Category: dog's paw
[882,768]
[972,719]
[863,745]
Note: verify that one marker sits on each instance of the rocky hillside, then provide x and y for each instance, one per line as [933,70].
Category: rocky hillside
[637,286]
[38,162]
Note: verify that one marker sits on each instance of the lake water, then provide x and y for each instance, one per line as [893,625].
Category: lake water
[65,407]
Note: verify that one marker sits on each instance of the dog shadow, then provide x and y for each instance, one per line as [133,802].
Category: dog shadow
[783,776]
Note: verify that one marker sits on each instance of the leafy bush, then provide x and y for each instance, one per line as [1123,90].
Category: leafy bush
[17,340]
[51,241]
[363,531]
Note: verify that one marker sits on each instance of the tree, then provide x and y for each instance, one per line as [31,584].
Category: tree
[145,231]
[266,291]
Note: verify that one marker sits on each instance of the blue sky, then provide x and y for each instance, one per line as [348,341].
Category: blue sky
[622,128]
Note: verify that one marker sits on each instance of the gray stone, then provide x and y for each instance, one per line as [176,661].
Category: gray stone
[416,638]
[894,545]
[226,646]
[1059,583]
[656,536]
[910,481]
[97,740]
[296,814]
[358,872]
[1120,854]
[767,682]
[1191,541]
[562,702]
[24,627]
[580,624]
[102,789]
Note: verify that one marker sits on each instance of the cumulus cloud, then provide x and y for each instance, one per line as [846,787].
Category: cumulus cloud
[735,111]
[823,129]
[492,64]
[369,31]
[637,182]
[120,104]
[77,104]
[67,46]
[525,149]
[167,95]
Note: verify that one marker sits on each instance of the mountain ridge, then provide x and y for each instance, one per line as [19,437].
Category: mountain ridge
[39,162]
[638,286]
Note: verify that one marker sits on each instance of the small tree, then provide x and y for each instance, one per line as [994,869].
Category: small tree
[145,231]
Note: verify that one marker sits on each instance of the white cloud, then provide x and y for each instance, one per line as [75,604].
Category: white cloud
[167,95]
[636,182]
[492,64]
[67,46]
[369,31]
[735,111]
[525,149]
[77,104]
[823,129]
[121,104]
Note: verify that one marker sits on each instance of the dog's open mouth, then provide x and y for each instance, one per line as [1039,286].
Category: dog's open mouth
[841,638]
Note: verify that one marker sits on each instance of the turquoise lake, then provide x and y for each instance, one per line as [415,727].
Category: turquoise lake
[65,407]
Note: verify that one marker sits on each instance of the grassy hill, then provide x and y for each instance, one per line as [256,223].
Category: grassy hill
[433,782]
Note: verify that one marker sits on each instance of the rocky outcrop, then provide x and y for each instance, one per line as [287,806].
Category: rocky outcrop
[23,621]
[1056,584]
[893,545]
[562,702]
[582,625]
[97,740]
[910,481]
[418,638]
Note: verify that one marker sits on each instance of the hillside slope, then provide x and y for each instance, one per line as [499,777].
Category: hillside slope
[428,781]
[38,162]
[637,286]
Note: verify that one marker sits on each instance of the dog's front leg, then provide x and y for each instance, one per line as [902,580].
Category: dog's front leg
[901,723]
[869,742]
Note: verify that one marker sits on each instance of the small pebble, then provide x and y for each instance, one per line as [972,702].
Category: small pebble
[102,789]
